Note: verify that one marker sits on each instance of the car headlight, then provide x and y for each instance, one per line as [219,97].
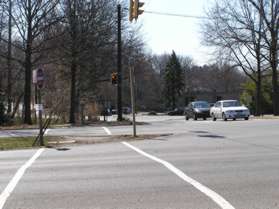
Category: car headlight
[197,110]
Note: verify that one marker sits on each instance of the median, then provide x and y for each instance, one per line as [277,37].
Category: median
[11,143]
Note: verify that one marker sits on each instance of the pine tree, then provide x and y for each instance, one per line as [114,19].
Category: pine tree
[173,80]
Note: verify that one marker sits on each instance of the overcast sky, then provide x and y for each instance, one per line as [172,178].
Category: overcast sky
[167,33]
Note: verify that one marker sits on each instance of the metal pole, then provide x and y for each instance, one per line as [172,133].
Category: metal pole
[40,118]
[132,87]
[119,66]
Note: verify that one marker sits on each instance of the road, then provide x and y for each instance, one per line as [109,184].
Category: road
[203,162]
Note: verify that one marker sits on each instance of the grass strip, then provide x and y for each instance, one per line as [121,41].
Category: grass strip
[11,143]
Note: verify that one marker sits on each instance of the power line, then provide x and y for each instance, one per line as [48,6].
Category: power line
[176,15]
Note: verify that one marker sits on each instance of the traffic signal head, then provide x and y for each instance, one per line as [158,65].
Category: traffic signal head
[114,78]
[135,9]
[131,10]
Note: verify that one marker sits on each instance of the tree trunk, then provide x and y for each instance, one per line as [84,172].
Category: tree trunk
[258,82]
[258,110]
[28,70]
[173,100]
[275,94]
[9,82]
[73,92]
[74,31]
[27,88]
[274,63]
[16,106]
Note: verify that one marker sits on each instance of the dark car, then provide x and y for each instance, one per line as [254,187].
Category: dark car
[198,109]
[176,111]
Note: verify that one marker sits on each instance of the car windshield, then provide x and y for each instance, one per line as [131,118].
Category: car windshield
[231,104]
[201,105]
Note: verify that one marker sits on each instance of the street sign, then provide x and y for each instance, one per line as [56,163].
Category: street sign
[39,107]
[40,77]
[34,76]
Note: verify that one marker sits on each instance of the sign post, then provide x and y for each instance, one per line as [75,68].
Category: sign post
[38,80]
[132,88]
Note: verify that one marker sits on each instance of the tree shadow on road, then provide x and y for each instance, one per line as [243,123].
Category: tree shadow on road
[212,136]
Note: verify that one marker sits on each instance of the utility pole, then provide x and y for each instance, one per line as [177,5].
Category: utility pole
[132,87]
[119,66]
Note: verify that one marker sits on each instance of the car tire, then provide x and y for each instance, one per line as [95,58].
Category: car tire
[195,117]
[213,117]
[204,118]
[234,119]
[224,117]
[247,118]
[187,118]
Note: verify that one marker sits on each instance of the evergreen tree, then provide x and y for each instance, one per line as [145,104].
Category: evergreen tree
[173,80]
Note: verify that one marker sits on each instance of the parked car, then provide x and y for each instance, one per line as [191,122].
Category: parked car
[197,109]
[125,110]
[176,111]
[229,109]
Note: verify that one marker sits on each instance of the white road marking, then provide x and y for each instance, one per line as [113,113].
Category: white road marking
[46,131]
[107,130]
[224,204]
[12,184]
[12,134]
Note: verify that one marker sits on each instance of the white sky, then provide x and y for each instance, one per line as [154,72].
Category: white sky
[166,33]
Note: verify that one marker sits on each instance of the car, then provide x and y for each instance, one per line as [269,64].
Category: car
[125,110]
[176,111]
[229,109]
[197,109]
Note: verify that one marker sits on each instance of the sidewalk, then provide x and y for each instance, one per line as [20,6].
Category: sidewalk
[265,117]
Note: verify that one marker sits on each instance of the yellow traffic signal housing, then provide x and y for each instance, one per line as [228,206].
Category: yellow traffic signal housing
[131,10]
[135,9]
[114,78]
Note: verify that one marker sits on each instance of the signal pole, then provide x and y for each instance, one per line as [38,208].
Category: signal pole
[119,66]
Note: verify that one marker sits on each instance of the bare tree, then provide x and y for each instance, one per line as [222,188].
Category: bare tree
[236,28]
[9,58]
[32,20]
[87,38]
[2,28]
[269,10]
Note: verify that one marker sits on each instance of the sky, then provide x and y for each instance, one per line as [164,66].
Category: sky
[166,33]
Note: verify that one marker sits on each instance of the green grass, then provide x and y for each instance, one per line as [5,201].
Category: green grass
[17,143]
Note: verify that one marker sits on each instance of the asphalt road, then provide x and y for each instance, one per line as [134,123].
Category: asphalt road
[238,160]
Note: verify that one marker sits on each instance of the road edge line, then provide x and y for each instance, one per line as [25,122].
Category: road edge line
[47,130]
[218,199]
[20,172]
[107,130]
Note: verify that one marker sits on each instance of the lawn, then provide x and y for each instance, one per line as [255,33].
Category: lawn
[16,143]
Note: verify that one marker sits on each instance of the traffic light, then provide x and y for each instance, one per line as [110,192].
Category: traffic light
[114,78]
[131,10]
[135,9]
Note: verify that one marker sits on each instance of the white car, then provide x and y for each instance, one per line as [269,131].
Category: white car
[229,109]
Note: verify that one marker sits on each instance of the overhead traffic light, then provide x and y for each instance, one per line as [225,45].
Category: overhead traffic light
[135,9]
[114,78]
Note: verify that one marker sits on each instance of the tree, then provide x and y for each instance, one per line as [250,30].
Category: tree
[236,28]
[87,45]
[33,22]
[174,80]
[269,11]
[2,28]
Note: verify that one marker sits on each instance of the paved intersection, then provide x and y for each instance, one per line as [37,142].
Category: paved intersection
[236,159]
